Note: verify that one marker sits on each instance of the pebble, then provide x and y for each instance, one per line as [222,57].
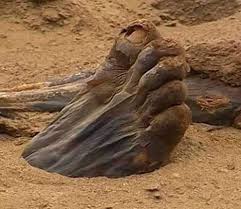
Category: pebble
[156,21]
[166,17]
[231,166]
[3,36]
[51,15]
[3,190]
[20,141]
[223,170]
[157,196]
[153,188]
[171,24]
[78,38]
[176,175]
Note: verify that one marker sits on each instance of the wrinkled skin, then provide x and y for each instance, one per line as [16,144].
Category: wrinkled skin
[131,116]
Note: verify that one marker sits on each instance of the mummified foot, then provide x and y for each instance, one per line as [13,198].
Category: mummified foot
[131,117]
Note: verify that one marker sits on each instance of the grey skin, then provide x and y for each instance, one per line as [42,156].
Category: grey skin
[131,116]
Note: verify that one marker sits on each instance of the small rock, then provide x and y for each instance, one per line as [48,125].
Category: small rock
[157,196]
[51,15]
[110,38]
[42,30]
[43,205]
[78,38]
[171,24]
[223,170]
[237,122]
[215,183]
[16,21]
[166,17]
[86,63]
[140,15]
[3,36]
[5,137]
[157,21]
[35,24]
[155,3]
[208,127]
[2,190]
[172,195]
[180,190]
[231,166]
[154,188]
[20,141]
[176,175]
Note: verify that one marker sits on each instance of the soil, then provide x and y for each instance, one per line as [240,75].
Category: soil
[49,39]
[195,12]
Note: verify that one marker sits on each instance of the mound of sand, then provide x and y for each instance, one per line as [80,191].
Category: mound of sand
[46,15]
[190,12]
[219,60]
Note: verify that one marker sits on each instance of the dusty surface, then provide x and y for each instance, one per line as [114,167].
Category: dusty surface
[40,42]
[205,173]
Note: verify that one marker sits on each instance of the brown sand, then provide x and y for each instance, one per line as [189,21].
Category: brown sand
[66,36]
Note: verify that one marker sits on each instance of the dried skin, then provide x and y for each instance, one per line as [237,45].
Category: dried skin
[124,123]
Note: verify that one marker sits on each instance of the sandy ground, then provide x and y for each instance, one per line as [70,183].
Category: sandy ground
[66,36]
[204,173]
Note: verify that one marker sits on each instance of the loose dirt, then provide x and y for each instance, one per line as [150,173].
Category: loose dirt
[41,41]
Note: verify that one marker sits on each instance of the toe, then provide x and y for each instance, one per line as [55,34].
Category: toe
[165,132]
[170,94]
[160,61]
[146,60]
[167,70]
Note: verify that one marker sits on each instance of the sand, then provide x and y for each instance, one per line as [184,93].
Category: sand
[40,42]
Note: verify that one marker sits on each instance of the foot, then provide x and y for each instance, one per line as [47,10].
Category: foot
[131,117]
